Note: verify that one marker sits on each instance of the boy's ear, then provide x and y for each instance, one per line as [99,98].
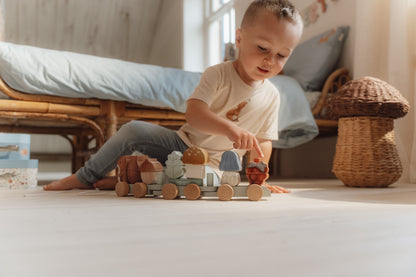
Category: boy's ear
[237,38]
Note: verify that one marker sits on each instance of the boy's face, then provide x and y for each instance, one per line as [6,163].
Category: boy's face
[265,46]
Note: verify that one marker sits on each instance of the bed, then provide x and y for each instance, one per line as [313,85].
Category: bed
[86,98]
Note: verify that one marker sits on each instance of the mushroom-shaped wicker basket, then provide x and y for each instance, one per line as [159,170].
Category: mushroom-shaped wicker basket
[366,153]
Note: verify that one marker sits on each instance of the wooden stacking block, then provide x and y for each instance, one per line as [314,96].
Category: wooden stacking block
[174,165]
[195,171]
[195,155]
[128,168]
[151,171]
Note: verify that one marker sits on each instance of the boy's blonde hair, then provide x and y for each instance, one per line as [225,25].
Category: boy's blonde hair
[280,8]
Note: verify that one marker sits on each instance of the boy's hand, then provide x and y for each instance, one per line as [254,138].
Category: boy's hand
[202,118]
[243,139]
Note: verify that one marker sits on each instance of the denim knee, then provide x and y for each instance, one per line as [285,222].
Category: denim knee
[132,133]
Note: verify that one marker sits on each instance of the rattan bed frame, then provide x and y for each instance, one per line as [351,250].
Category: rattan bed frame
[88,123]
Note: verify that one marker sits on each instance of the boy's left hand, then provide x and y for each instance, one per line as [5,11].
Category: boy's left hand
[249,145]
[243,139]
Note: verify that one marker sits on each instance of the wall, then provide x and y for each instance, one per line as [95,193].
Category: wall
[133,30]
[338,13]
[167,39]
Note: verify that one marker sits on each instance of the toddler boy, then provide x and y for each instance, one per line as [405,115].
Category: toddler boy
[233,107]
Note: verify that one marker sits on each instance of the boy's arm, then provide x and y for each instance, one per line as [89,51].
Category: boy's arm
[199,116]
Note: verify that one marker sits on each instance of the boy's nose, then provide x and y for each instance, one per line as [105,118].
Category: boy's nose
[269,60]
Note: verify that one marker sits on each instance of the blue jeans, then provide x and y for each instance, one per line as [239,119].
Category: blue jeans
[150,139]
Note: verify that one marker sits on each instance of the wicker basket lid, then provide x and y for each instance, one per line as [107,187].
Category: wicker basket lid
[368,96]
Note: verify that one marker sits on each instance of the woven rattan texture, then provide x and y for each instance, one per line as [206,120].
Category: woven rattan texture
[366,154]
[368,96]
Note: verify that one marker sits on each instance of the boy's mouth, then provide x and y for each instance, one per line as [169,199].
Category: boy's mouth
[264,71]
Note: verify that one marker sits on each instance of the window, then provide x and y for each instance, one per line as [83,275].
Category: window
[219,29]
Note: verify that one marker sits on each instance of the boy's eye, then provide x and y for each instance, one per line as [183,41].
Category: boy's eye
[281,56]
[261,48]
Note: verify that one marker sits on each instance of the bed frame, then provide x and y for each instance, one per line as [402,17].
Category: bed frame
[88,123]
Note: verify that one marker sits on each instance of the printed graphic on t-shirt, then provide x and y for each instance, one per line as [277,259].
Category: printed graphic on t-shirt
[234,113]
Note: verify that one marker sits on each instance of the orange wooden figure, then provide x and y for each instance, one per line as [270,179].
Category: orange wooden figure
[257,172]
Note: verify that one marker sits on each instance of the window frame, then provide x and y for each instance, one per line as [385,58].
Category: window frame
[216,17]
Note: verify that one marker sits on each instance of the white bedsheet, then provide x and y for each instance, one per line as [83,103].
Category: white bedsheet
[42,71]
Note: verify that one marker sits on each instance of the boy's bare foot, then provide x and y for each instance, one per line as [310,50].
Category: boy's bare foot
[108,183]
[67,183]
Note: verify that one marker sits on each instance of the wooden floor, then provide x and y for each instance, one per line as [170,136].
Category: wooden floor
[320,229]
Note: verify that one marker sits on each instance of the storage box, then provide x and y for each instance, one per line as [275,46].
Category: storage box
[14,146]
[19,173]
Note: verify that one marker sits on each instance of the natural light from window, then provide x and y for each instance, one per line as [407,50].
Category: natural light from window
[220,29]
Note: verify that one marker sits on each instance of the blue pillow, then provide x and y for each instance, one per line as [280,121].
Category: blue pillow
[296,122]
[313,60]
[50,72]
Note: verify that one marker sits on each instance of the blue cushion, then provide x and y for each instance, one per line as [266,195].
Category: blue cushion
[42,71]
[296,122]
[51,72]
[313,60]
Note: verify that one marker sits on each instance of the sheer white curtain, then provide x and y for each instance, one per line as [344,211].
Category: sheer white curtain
[386,48]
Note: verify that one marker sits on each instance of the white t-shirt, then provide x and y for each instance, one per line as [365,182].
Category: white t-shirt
[254,109]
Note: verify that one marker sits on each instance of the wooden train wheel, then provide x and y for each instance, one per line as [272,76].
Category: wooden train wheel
[139,190]
[170,191]
[192,192]
[122,189]
[254,192]
[225,192]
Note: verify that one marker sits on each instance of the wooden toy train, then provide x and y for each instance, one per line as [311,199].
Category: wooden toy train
[188,175]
